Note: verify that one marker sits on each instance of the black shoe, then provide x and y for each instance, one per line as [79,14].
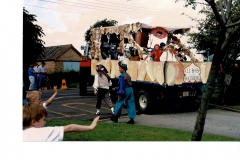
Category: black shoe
[131,121]
[114,119]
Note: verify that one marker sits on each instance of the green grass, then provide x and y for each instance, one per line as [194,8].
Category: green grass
[124,132]
[236,107]
[73,85]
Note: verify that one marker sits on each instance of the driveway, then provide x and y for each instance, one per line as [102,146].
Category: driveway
[68,105]
[218,122]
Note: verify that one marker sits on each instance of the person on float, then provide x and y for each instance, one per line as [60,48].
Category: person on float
[169,54]
[162,46]
[156,54]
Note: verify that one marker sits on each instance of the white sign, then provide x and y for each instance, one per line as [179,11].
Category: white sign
[192,73]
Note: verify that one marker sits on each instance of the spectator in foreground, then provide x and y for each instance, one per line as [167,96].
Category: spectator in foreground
[35,97]
[34,120]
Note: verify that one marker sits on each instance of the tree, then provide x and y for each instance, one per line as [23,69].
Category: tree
[33,46]
[208,31]
[226,14]
[205,40]
[102,23]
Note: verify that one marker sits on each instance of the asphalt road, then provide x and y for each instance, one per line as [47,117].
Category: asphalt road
[69,105]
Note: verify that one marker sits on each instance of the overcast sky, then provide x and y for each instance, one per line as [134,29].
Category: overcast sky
[66,21]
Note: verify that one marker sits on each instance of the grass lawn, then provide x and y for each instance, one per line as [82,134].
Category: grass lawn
[236,107]
[124,132]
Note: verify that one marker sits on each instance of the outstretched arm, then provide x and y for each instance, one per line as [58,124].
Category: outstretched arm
[49,101]
[81,128]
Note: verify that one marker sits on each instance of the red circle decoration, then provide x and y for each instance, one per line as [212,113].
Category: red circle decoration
[159,32]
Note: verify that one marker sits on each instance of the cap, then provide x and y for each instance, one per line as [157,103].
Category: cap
[122,65]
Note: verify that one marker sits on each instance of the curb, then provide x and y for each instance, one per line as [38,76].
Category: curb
[223,108]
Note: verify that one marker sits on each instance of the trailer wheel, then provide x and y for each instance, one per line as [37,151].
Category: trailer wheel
[143,101]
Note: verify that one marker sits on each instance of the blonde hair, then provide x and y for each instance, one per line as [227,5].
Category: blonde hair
[32,111]
[33,95]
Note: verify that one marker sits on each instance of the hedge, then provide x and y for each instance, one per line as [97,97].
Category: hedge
[69,76]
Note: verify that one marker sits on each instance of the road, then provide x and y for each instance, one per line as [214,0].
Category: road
[69,105]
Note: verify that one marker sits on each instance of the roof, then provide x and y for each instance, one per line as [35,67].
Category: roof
[53,52]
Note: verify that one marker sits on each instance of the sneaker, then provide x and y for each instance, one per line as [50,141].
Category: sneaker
[112,109]
[39,89]
[97,113]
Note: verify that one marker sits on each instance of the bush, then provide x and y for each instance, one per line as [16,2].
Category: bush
[69,76]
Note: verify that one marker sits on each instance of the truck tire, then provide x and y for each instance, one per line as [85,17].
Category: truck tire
[143,101]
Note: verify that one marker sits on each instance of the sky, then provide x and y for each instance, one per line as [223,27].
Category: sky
[66,21]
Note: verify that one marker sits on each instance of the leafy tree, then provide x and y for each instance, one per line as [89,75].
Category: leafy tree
[102,23]
[206,38]
[209,28]
[33,46]
[226,14]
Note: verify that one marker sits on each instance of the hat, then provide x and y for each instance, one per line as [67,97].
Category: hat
[100,67]
[122,65]
[131,48]
[162,44]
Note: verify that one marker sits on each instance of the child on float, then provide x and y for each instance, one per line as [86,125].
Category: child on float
[156,54]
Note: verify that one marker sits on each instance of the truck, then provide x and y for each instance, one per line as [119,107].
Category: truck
[156,84]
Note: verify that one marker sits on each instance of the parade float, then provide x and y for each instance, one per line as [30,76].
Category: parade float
[177,81]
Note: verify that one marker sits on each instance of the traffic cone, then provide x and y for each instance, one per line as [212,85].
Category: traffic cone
[64,84]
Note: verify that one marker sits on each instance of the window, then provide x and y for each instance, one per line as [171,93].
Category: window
[67,66]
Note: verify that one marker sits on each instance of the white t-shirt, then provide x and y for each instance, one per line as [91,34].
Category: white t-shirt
[44,105]
[36,69]
[43,134]
[42,69]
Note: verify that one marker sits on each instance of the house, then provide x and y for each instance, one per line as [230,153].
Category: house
[61,58]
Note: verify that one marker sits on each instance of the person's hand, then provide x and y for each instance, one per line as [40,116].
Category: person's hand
[113,89]
[95,92]
[119,96]
[94,122]
[55,89]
